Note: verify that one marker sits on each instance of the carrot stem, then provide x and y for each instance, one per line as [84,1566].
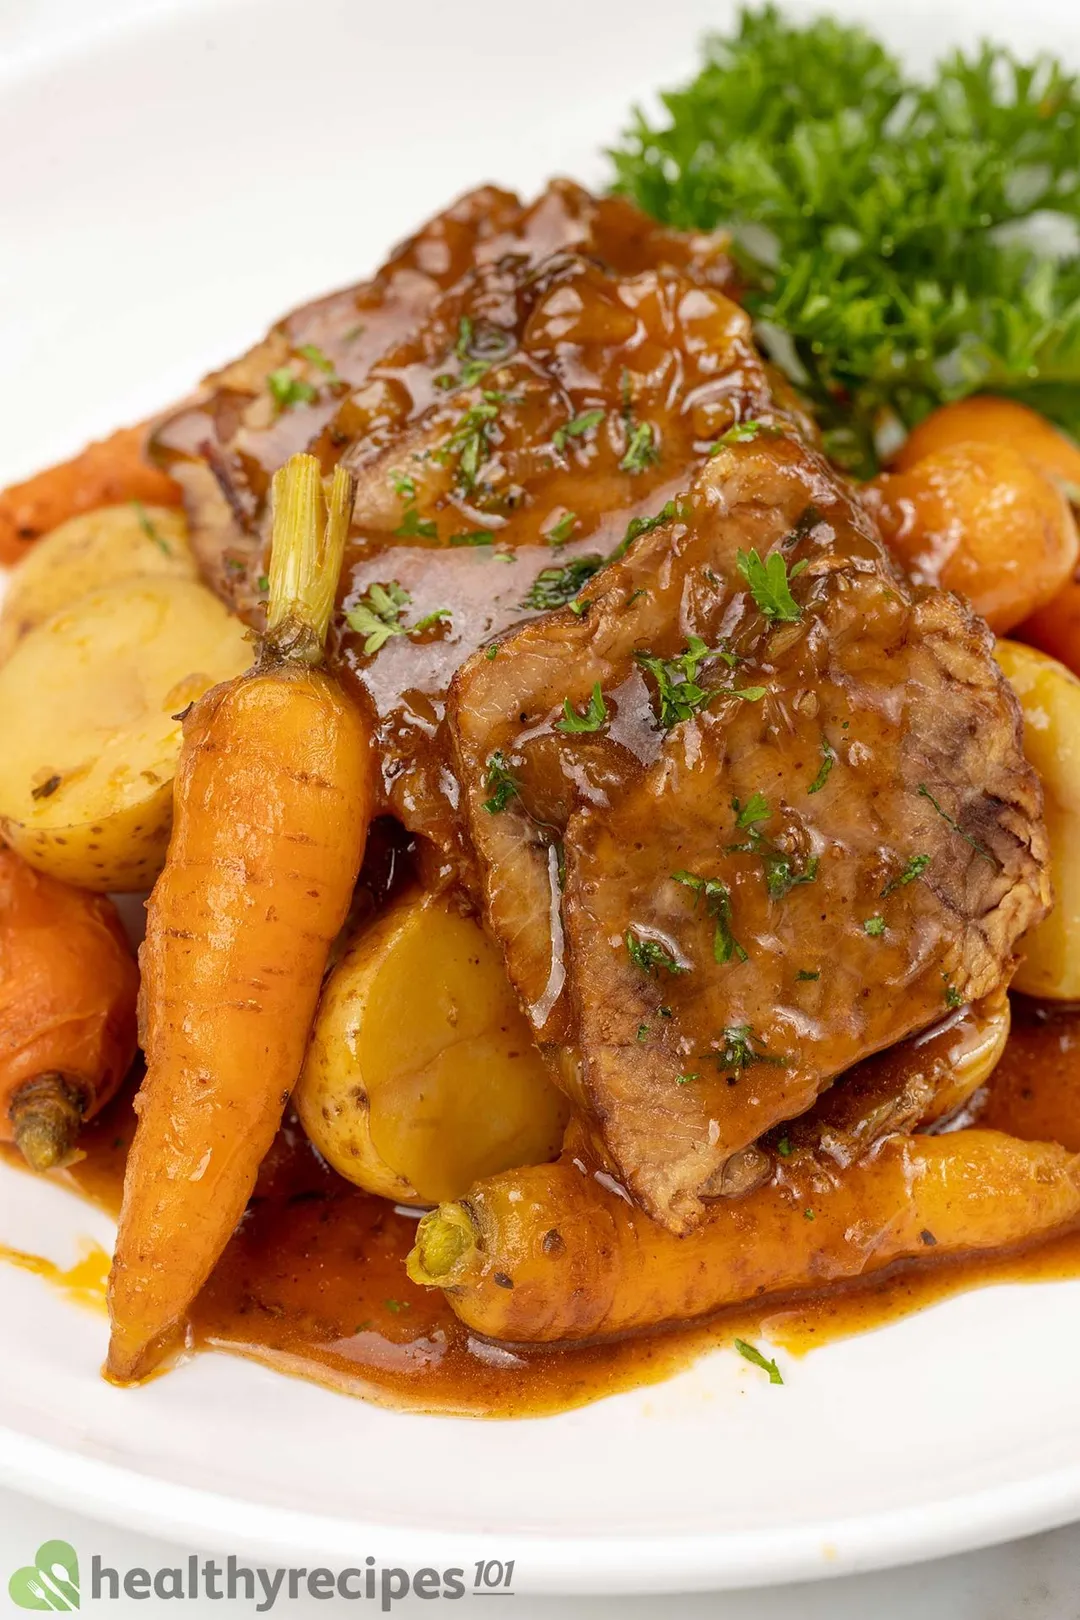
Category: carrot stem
[307,549]
[446,1251]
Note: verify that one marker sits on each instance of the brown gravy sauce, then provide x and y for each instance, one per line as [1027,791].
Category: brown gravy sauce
[313,1283]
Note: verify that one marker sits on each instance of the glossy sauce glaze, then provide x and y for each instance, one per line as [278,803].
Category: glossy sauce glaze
[313,1283]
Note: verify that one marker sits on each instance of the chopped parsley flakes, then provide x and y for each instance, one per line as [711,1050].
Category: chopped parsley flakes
[289,391]
[650,956]
[717,897]
[914,869]
[769,583]
[555,587]
[500,783]
[593,718]
[377,616]
[753,1355]
[641,449]
[577,428]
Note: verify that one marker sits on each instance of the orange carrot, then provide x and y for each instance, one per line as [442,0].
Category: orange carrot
[547,1254]
[68,987]
[272,802]
[101,475]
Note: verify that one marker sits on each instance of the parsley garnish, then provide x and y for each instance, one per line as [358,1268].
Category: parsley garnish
[593,718]
[717,897]
[560,532]
[894,265]
[980,849]
[643,525]
[501,784]
[781,869]
[397,1305]
[318,357]
[642,1034]
[806,977]
[577,428]
[750,1353]
[914,869]
[755,809]
[650,956]
[768,582]
[677,685]
[469,441]
[377,616]
[746,433]
[402,485]
[641,450]
[738,1049]
[953,998]
[473,537]
[149,529]
[686,1079]
[413,527]
[289,391]
[554,587]
[875,926]
[828,760]
[492,653]
[784,1147]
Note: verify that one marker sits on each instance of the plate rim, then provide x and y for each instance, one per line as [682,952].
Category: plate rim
[548,1564]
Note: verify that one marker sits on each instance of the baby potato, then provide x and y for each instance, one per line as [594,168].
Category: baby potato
[89,734]
[981,520]
[1050,698]
[989,419]
[421,1075]
[94,549]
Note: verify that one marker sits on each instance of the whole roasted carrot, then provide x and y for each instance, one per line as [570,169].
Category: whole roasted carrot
[547,1254]
[68,986]
[272,802]
[112,470]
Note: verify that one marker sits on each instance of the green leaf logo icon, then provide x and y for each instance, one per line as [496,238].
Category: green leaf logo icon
[51,1581]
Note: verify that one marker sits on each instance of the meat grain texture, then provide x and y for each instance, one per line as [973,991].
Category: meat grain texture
[793,838]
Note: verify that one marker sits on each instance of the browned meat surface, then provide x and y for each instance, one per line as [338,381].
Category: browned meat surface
[512,389]
[765,863]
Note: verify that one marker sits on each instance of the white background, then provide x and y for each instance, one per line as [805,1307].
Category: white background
[1038,1579]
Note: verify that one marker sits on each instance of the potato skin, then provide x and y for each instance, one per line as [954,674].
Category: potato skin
[87,552]
[1049,696]
[421,1075]
[581,1262]
[989,419]
[89,706]
[981,520]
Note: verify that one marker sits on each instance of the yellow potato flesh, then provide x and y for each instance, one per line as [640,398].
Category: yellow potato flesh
[89,734]
[1050,698]
[421,1076]
[88,552]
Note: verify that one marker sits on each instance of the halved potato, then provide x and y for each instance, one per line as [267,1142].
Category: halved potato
[421,1075]
[89,727]
[87,552]
[1050,698]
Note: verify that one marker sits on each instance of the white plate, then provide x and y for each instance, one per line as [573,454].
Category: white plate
[167,188]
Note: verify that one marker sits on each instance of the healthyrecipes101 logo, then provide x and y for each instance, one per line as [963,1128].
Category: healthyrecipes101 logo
[50,1582]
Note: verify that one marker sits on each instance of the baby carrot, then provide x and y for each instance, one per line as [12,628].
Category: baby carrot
[68,986]
[547,1254]
[101,475]
[272,802]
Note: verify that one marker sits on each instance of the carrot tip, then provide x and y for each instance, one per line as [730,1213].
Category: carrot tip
[46,1114]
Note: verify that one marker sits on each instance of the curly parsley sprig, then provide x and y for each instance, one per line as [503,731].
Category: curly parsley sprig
[882,223]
